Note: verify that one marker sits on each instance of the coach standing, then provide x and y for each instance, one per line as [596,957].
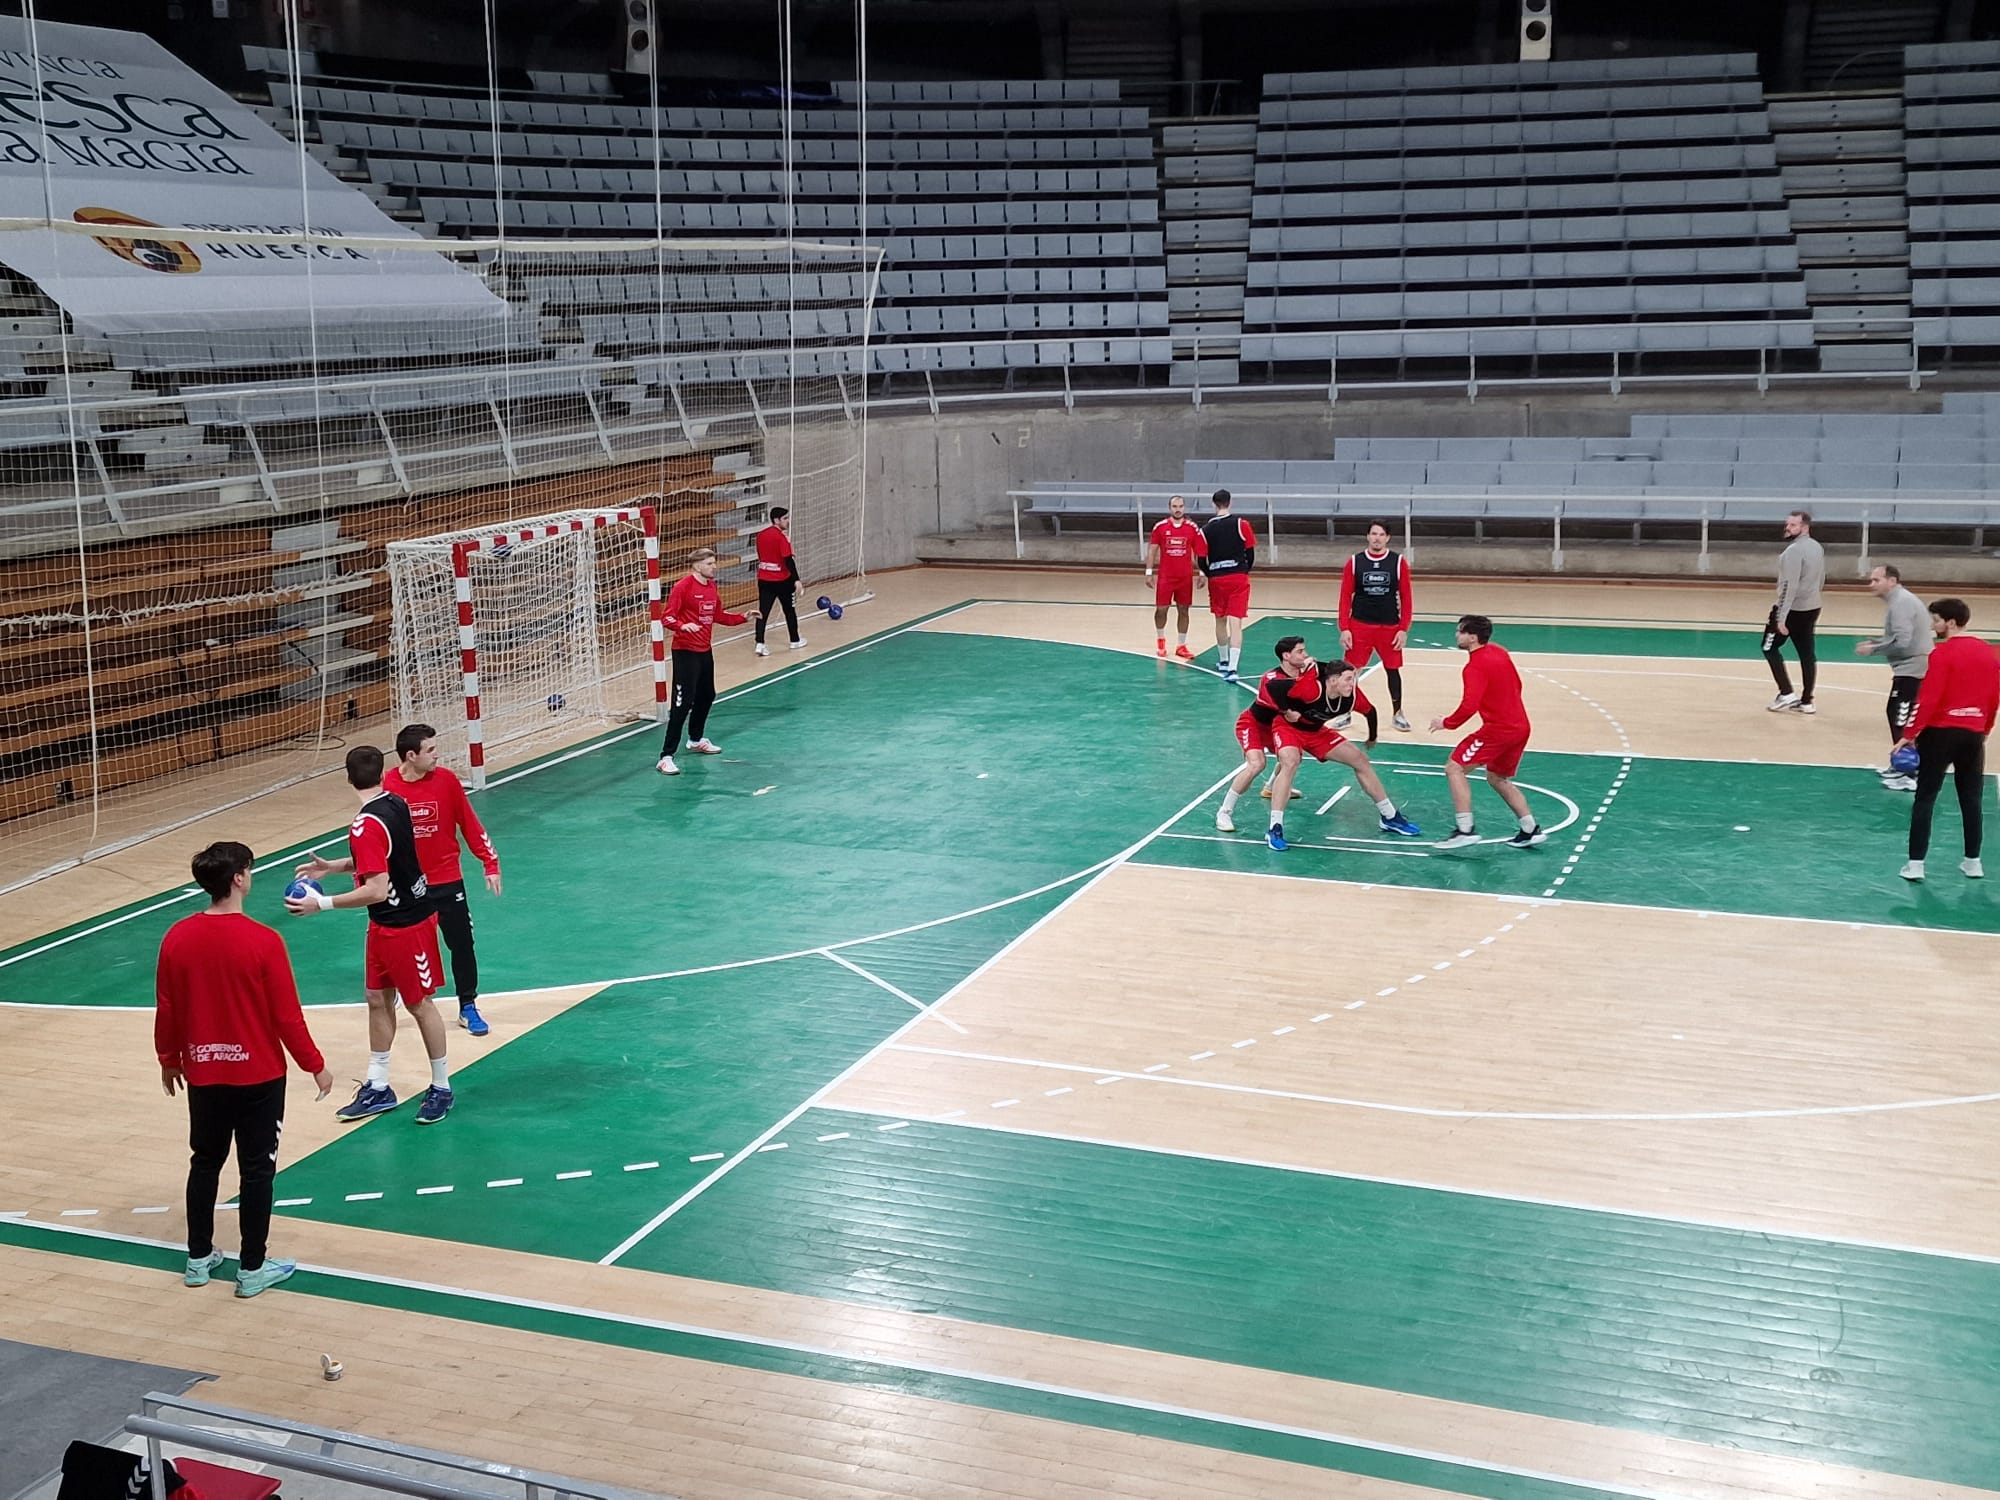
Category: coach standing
[1795,614]
[227,1013]
[777,577]
[1905,643]
[691,613]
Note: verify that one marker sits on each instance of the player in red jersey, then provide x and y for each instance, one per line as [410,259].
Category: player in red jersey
[1493,692]
[777,577]
[228,1012]
[1327,700]
[1175,544]
[1376,610]
[1956,708]
[440,812]
[1228,553]
[402,958]
[690,614]
[1253,725]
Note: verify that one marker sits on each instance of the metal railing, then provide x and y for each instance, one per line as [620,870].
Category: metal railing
[320,1462]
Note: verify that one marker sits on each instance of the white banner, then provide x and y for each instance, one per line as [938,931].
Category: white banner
[108,127]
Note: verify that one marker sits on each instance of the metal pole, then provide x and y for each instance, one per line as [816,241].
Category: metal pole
[1018,552]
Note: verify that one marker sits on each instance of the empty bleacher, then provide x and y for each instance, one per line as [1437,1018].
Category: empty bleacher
[1529,211]
[1953,122]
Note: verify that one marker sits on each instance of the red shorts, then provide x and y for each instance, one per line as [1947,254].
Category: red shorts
[406,960]
[1229,595]
[1173,588]
[1318,743]
[1252,733]
[1378,640]
[1500,756]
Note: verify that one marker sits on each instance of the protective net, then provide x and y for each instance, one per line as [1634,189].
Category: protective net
[198,501]
[533,627]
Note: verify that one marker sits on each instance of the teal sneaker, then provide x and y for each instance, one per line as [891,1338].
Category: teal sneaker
[200,1268]
[266,1276]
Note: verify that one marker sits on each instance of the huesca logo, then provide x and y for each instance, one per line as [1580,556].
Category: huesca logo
[170,256]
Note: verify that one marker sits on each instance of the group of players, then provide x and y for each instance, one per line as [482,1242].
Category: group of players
[1303,706]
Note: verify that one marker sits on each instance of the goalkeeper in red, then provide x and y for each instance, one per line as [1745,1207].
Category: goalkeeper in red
[440,813]
[690,615]
[1493,692]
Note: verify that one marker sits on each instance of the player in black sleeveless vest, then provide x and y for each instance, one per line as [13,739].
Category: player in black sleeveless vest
[1376,612]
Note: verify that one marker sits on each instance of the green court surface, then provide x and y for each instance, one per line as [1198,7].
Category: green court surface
[916,804]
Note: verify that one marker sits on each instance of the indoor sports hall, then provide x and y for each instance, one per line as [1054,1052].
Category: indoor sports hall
[899,1079]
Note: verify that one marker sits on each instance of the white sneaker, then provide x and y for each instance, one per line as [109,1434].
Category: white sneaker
[1899,783]
[1914,870]
[1782,702]
[1401,723]
[1972,869]
[704,746]
[799,644]
[762,649]
[1224,823]
[666,767]
[1804,708]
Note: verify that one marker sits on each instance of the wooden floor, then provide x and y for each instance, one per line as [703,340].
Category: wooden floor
[1832,1078]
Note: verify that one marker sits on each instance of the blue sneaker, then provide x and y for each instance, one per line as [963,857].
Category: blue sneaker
[266,1276]
[368,1100]
[1276,837]
[1402,825]
[436,1105]
[1228,674]
[199,1268]
[470,1018]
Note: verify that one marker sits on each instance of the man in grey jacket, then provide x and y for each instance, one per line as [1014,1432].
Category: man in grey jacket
[1795,614]
[1905,644]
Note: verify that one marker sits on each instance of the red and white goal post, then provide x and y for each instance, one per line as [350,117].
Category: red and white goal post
[531,627]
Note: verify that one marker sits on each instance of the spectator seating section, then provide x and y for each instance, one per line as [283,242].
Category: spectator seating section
[1953,146]
[1631,206]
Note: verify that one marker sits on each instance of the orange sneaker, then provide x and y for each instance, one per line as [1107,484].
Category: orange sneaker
[1183,653]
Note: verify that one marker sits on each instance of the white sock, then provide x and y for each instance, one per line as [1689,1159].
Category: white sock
[1277,815]
[440,1073]
[1229,800]
[1385,807]
[378,1070]
[1528,824]
[1464,821]
[1181,637]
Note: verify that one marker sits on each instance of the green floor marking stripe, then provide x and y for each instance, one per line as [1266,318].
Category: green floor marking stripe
[911,780]
[1789,841]
[1789,1346]
[1328,1452]
[1712,643]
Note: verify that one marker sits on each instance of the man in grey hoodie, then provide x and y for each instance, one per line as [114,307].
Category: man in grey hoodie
[1905,644]
[1795,614]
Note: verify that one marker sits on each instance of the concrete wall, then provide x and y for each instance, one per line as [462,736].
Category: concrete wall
[948,474]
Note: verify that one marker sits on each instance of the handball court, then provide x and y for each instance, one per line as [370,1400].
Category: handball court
[922,1098]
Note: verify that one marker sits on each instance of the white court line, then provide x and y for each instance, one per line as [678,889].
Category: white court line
[831,1084]
[1338,793]
[647,727]
[1491,1195]
[1356,847]
[922,1367]
[900,994]
[1427,1112]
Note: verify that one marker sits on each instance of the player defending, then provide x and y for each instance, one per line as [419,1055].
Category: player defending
[1375,611]
[1253,725]
[1175,544]
[691,613]
[1228,552]
[1327,699]
[1493,692]
[1955,713]
[402,954]
[777,577]
[439,813]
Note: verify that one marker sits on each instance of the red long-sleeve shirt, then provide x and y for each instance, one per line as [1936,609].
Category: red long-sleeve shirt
[227,1007]
[694,601]
[1493,691]
[439,812]
[1961,687]
[1406,614]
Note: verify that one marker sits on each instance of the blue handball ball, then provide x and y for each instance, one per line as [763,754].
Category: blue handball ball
[1904,760]
[834,611]
[302,888]
[556,701]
